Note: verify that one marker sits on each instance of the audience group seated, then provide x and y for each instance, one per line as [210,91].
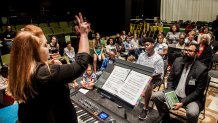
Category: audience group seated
[124,45]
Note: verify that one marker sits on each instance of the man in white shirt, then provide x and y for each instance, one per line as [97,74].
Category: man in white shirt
[151,59]
[69,52]
[181,43]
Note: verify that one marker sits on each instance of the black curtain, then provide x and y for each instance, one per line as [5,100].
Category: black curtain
[149,9]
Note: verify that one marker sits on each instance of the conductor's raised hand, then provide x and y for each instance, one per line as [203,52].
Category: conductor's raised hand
[83,27]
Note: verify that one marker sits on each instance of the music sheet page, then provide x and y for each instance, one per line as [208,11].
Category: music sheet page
[133,87]
[116,79]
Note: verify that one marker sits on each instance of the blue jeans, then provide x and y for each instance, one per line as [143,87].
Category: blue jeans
[8,44]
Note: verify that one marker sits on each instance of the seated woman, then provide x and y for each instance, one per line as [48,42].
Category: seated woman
[128,46]
[135,45]
[98,51]
[173,35]
[89,78]
[54,48]
[119,45]
[205,52]
[161,48]
[204,30]
[123,35]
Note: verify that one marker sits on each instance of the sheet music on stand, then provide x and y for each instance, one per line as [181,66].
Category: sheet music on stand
[116,79]
[133,87]
[125,82]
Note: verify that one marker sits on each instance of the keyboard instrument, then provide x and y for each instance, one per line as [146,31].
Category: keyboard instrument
[88,111]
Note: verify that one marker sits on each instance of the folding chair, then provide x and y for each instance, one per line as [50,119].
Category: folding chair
[63,24]
[67,30]
[164,79]
[54,24]
[58,31]
[47,30]
[42,25]
[181,113]
[215,61]
[18,27]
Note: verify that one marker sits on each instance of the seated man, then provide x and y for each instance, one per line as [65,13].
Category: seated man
[188,78]
[69,52]
[151,59]
[54,48]
[111,46]
[108,60]
[190,38]
[181,43]
[8,37]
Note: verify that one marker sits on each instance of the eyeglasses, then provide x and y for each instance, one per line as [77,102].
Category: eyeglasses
[188,50]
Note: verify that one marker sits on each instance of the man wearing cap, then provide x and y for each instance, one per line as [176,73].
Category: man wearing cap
[150,58]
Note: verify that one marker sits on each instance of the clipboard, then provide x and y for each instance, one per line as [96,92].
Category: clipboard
[171,98]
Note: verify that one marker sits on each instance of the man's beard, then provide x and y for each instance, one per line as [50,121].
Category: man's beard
[188,59]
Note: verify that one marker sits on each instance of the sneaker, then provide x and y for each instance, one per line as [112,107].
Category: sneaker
[143,114]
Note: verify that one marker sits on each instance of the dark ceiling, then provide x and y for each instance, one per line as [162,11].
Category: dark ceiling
[104,15]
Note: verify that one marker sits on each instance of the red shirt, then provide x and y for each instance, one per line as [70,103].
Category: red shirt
[201,48]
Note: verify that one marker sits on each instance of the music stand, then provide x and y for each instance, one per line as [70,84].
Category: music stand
[106,73]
